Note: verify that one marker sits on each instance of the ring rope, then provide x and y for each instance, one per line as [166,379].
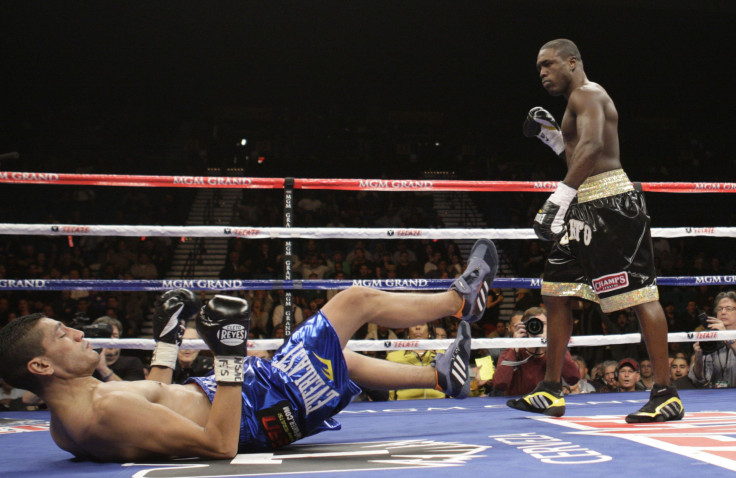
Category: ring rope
[443,344]
[325,284]
[317,233]
[127,180]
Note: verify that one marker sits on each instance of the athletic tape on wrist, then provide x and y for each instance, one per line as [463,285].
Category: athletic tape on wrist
[229,368]
[563,195]
[165,354]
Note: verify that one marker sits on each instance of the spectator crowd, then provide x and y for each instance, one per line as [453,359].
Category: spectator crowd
[598,369]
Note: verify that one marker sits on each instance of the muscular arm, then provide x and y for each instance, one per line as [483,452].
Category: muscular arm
[130,427]
[161,374]
[587,107]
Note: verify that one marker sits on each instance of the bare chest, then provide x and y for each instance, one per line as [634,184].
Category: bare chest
[77,428]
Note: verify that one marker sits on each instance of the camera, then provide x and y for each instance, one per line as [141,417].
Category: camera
[534,326]
[711,346]
[91,331]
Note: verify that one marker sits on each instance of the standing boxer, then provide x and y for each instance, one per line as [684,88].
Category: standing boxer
[599,224]
[247,404]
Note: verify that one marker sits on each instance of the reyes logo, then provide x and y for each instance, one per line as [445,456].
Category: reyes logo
[232,334]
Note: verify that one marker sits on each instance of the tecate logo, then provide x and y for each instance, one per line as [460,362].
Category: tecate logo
[232,334]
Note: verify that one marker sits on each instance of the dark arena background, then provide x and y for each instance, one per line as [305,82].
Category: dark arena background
[121,122]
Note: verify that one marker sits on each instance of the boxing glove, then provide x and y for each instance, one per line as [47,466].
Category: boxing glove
[173,310]
[540,123]
[549,223]
[224,324]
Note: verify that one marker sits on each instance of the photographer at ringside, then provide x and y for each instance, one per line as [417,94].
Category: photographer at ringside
[519,370]
[112,365]
[714,363]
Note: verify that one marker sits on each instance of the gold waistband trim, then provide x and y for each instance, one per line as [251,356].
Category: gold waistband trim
[604,185]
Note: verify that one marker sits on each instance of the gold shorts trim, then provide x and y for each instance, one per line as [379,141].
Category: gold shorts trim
[569,289]
[630,299]
[646,294]
[604,185]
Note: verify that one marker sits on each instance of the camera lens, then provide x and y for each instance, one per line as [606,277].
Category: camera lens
[534,326]
[710,346]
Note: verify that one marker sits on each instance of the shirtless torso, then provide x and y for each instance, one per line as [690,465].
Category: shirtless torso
[128,420]
[93,419]
[590,111]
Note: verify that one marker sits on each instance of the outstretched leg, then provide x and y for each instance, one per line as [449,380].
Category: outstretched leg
[351,309]
[449,374]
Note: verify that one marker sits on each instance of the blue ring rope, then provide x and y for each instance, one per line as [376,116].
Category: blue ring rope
[273,284]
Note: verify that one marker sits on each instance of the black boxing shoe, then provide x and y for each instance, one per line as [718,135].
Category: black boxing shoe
[542,399]
[452,368]
[475,283]
[664,405]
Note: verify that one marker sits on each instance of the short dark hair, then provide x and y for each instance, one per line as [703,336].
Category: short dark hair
[565,48]
[20,341]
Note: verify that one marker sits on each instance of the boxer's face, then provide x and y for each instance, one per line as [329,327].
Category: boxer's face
[552,70]
[66,353]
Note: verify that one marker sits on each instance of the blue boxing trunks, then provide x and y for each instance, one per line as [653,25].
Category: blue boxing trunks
[606,254]
[296,393]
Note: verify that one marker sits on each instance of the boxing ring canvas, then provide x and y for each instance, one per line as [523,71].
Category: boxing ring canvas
[471,437]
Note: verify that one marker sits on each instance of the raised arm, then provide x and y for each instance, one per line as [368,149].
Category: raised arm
[173,310]
[132,426]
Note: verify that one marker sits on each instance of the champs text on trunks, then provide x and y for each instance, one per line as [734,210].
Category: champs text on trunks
[378,435]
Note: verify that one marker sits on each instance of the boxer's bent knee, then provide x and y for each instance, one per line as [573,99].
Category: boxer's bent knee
[354,302]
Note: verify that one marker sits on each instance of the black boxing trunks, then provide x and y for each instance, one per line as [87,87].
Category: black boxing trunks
[606,256]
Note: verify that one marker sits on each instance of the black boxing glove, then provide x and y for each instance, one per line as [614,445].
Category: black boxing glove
[224,324]
[549,223]
[540,123]
[173,310]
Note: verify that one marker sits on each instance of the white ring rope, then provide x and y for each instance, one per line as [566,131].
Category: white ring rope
[350,233]
[317,232]
[384,345]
